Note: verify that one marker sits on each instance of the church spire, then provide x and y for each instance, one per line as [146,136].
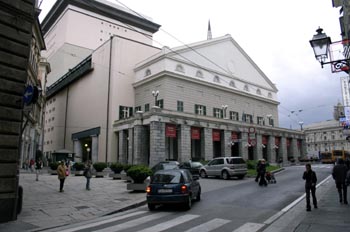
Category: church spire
[209,37]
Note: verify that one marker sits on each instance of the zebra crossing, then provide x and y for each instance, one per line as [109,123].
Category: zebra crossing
[145,221]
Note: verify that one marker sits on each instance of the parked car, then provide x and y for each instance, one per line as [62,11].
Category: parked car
[225,167]
[173,186]
[193,167]
[164,165]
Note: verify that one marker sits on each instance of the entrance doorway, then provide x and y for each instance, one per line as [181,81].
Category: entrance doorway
[250,153]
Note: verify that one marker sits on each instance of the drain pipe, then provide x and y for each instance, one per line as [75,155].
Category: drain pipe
[108,93]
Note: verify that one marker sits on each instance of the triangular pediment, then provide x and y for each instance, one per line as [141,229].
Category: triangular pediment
[222,55]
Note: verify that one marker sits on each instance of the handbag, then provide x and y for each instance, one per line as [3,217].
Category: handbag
[67,172]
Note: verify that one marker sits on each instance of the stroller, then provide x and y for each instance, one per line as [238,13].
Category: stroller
[270,177]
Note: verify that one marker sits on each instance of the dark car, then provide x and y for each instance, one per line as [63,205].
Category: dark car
[193,167]
[173,186]
[164,165]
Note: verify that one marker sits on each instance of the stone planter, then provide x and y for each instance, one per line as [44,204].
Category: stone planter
[123,176]
[78,173]
[115,176]
[99,174]
[136,186]
[52,172]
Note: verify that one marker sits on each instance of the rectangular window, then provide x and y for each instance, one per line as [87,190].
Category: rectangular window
[137,108]
[160,103]
[146,107]
[260,120]
[200,109]
[247,118]
[234,116]
[271,122]
[218,113]
[125,112]
[180,106]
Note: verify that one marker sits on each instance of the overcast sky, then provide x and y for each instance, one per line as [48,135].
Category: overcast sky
[274,33]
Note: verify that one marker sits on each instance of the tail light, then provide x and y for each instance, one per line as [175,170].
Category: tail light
[148,189]
[184,189]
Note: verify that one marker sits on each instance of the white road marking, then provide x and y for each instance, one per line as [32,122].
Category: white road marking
[103,222]
[168,224]
[249,227]
[135,222]
[209,226]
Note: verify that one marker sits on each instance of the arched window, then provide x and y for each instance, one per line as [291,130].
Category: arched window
[217,79]
[246,88]
[148,72]
[232,84]
[258,91]
[179,68]
[269,95]
[199,74]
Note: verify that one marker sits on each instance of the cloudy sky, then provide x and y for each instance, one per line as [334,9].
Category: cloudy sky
[274,33]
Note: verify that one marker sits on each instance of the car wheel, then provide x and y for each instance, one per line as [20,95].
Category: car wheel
[188,203]
[151,206]
[225,175]
[203,174]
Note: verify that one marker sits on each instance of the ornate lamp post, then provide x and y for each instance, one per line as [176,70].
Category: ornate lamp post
[301,125]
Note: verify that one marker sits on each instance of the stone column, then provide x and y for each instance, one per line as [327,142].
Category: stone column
[78,150]
[258,147]
[283,149]
[271,152]
[131,146]
[226,143]
[94,148]
[122,147]
[294,149]
[184,145]
[157,142]
[208,143]
[243,149]
[138,133]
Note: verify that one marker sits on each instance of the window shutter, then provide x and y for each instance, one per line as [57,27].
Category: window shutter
[204,110]
[120,112]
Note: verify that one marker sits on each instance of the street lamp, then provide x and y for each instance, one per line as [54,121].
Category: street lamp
[88,153]
[301,125]
[320,43]
[224,108]
[155,95]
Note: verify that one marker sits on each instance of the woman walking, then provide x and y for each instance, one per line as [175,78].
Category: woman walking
[61,172]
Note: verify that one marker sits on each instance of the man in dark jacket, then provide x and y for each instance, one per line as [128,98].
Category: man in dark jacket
[310,185]
[262,172]
[339,175]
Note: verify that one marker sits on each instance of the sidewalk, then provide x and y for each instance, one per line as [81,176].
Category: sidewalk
[331,216]
[75,204]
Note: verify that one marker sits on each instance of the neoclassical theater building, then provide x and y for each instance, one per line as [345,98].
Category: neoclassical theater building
[113,96]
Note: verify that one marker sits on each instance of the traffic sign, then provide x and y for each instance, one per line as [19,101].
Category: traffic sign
[28,95]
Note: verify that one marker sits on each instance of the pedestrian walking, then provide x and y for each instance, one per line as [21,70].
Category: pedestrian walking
[88,174]
[257,171]
[339,175]
[26,164]
[61,172]
[262,173]
[31,164]
[38,167]
[310,186]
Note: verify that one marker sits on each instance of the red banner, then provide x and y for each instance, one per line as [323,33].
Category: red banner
[234,135]
[195,133]
[277,141]
[216,135]
[264,140]
[170,130]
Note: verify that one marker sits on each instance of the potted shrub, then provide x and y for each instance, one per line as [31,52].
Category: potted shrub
[78,168]
[116,168]
[99,166]
[53,168]
[138,174]
[124,175]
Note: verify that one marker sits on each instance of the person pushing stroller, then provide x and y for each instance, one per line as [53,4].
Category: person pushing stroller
[270,177]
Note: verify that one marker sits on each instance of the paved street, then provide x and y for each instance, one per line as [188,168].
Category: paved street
[44,208]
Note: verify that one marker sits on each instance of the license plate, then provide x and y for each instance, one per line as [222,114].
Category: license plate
[165,190]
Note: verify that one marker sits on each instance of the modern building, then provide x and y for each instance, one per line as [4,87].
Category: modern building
[325,136]
[115,97]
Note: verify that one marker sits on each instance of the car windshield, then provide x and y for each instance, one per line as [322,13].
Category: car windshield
[237,161]
[169,166]
[167,178]
[196,164]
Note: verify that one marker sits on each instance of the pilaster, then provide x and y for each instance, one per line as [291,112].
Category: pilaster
[157,142]
[184,145]
[208,143]
[243,149]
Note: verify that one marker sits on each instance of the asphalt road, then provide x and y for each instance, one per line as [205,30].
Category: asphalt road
[226,205]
